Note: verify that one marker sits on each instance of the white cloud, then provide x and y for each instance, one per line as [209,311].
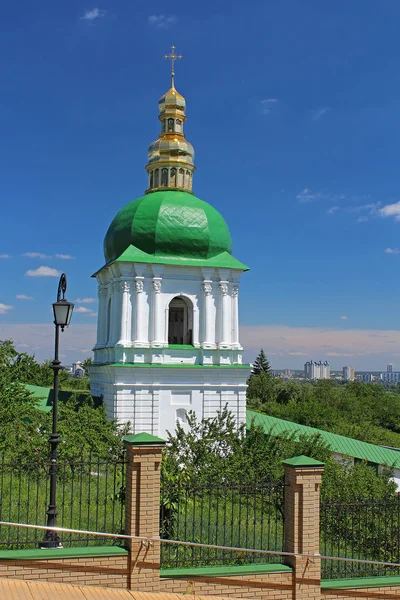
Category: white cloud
[369,348]
[4,308]
[308,196]
[64,256]
[291,346]
[320,112]
[344,318]
[36,255]
[93,14]
[23,297]
[332,210]
[362,219]
[162,21]
[391,210]
[83,309]
[392,250]
[88,312]
[85,300]
[43,272]
[5,256]
[267,104]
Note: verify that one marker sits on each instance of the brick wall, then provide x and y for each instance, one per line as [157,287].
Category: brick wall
[107,571]
[373,593]
[274,586]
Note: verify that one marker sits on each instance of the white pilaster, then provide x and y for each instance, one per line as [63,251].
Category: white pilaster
[115,312]
[125,329]
[235,316]
[209,321]
[140,329]
[102,316]
[157,334]
[225,314]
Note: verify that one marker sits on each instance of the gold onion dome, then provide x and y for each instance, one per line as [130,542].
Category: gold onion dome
[170,164]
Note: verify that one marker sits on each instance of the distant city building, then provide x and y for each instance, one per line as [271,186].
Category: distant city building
[77,369]
[389,368]
[390,376]
[317,370]
[367,377]
[349,373]
[287,373]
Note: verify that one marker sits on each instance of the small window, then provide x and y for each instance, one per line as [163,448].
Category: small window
[181,415]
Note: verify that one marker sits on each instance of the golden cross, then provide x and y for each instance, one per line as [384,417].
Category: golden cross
[173,57]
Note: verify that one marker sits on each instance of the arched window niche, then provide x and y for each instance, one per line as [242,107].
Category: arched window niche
[180,321]
[181,416]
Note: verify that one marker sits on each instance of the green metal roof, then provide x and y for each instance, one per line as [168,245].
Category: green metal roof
[43,395]
[144,439]
[303,461]
[337,443]
[168,223]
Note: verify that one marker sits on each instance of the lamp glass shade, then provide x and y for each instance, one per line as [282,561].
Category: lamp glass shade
[62,312]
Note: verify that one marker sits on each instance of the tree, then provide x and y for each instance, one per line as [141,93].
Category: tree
[86,364]
[261,364]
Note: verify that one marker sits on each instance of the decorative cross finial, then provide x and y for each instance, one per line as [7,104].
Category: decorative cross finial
[173,57]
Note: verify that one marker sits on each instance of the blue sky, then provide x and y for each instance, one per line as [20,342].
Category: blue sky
[293,110]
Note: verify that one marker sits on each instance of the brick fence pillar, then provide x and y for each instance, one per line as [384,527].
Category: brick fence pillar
[302,491]
[142,509]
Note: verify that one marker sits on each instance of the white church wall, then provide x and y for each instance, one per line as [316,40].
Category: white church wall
[153,398]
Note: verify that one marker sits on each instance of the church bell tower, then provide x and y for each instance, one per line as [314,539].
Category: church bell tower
[168,318]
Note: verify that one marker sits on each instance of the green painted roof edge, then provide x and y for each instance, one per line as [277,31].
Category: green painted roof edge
[180,346]
[336,442]
[133,254]
[303,461]
[360,582]
[225,571]
[144,439]
[170,366]
[38,554]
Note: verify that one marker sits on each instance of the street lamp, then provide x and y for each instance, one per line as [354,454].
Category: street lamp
[62,310]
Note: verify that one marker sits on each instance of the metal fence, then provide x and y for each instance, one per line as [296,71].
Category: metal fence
[224,515]
[90,495]
[364,530]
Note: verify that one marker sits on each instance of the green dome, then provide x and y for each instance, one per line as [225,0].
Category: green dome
[168,223]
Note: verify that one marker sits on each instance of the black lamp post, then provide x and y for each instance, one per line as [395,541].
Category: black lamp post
[62,316]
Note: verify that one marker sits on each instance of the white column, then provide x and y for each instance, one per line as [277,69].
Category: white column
[209,324]
[140,311]
[196,327]
[235,315]
[124,338]
[115,311]
[102,316]
[156,312]
[225,314]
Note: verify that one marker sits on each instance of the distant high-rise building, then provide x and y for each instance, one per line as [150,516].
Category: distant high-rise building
[367,377]
[349,373]
[317,370]
[389,368]
[390,376]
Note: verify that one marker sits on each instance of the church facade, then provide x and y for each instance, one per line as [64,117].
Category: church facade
[168,317]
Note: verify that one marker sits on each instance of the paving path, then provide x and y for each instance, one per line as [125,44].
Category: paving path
[32,590]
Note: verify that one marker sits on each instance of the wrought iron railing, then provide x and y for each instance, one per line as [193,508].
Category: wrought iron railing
[364,530]
[90,495]
[224,515]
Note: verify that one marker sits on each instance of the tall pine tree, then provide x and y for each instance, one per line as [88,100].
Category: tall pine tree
[261,364]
